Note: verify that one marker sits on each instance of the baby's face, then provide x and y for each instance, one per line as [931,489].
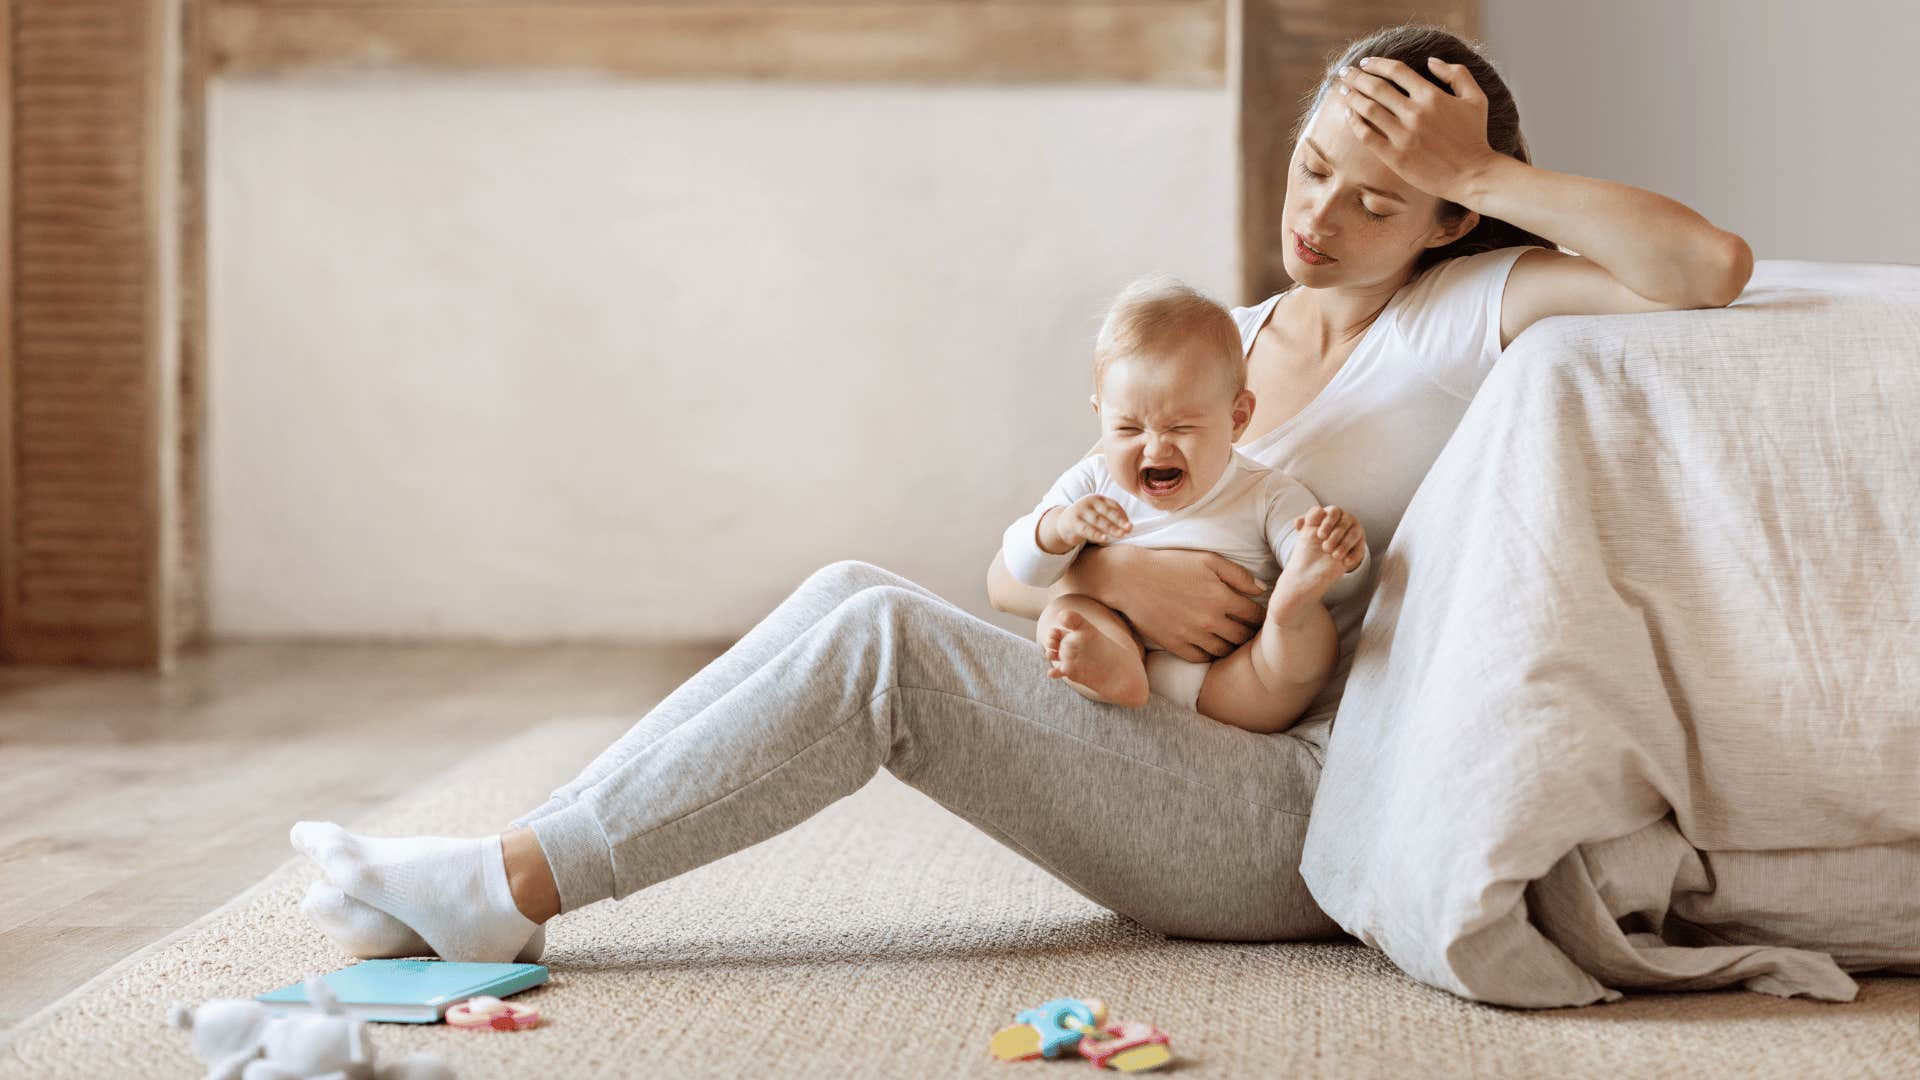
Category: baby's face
[1167,426]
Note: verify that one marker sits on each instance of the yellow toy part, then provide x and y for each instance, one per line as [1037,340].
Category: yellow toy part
[1141,1058]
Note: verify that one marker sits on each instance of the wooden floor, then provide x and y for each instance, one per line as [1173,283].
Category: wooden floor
[132,804]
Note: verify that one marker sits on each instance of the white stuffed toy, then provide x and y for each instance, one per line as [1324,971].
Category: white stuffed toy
[241,1039]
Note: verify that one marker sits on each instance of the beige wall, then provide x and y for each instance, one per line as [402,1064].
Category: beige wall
[550,357]
[1791,122]
[555,357]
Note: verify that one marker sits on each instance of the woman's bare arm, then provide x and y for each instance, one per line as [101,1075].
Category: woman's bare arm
[1015,597]
[1011,596]
[1654,246]
[1637,249]
[1196,605]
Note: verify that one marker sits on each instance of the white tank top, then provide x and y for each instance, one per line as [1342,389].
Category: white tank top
[1368,439]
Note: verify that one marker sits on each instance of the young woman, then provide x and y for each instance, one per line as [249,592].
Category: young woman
[1421,241]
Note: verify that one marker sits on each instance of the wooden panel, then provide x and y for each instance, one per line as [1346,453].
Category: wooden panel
[1169,42]
[7,556]
[1279,51]
[92,292]
[189,615]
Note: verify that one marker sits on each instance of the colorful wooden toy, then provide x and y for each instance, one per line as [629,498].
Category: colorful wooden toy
[1127,1045]
[1048,1030]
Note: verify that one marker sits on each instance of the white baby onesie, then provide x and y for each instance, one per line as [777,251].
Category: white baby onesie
[1247,517]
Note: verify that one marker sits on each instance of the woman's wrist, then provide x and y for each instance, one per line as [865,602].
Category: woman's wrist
[1477,183]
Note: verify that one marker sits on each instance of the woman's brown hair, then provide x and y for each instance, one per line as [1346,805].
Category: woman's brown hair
[1411,44]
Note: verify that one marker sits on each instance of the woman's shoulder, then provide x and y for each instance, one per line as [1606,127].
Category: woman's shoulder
[1447,317]
[1449,278]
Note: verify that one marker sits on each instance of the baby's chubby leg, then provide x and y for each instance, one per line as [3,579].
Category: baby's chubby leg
[1269,681]
[1094,650]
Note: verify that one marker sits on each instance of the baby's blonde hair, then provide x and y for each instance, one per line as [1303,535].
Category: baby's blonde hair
[1155,316]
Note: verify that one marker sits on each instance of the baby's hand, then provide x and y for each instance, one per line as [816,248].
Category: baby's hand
[1338,532]
[1094,519]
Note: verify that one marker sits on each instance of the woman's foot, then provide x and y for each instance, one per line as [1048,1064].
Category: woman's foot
[368,933]
[358,927]
[452,892]
[1095,663]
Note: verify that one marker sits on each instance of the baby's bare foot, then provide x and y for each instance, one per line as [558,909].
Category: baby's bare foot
[1098,666]
[1309,573]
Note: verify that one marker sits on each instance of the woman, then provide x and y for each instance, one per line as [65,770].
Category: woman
[1422,241]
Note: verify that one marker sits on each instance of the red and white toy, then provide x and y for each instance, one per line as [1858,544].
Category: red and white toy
[1128,1045]
[492,1014]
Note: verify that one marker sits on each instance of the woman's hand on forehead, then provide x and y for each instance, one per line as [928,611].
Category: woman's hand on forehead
[1433,140]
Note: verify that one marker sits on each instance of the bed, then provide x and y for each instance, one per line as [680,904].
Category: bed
[1636,704]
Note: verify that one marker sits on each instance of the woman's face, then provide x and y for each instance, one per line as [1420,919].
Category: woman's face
[1343,200]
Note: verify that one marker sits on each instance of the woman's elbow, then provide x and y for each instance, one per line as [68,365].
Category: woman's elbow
[996,600]
[997,578]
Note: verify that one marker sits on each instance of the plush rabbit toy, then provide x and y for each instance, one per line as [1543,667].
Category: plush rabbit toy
[241,1039]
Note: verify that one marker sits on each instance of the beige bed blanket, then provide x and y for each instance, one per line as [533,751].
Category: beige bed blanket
[1637,701]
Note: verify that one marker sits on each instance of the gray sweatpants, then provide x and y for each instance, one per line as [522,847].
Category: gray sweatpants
[860,669]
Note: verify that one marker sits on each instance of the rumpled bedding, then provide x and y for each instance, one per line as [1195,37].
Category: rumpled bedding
[1636,704]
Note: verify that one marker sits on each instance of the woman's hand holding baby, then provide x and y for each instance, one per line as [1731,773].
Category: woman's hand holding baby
[1197,605]
[1093,519]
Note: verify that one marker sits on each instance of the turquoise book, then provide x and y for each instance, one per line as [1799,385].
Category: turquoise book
[409,991]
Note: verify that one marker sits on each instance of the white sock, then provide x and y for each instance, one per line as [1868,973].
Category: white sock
[368,933]
[360,928]
[452,892]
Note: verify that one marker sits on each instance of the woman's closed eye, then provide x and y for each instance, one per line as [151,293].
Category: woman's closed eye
[1363,206]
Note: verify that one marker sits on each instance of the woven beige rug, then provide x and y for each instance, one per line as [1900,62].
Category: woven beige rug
[885,937]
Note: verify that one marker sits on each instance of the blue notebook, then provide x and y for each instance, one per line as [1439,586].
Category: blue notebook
[409,991]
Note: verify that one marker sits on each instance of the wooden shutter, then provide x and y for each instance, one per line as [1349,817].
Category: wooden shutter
[92,474]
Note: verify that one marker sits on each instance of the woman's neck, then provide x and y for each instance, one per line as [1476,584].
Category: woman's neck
[1334,317]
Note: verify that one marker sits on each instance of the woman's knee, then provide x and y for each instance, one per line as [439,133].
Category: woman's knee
[905,625]
[877,603]
[849,576]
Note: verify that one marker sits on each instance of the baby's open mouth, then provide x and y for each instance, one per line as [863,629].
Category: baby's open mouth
[1161,481]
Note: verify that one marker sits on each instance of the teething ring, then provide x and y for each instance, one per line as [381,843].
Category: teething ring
[492,1014]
